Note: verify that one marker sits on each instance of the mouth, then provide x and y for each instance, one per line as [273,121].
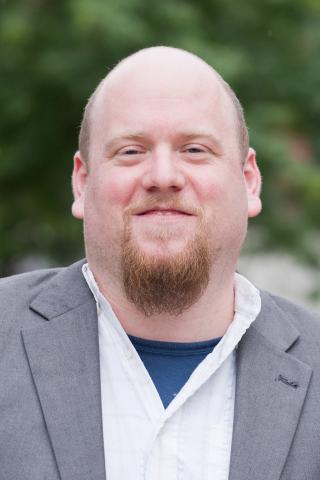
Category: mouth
[164,212]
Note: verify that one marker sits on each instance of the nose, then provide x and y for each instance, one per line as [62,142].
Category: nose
[164,172]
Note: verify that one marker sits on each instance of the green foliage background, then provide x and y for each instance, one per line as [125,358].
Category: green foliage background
[53,53]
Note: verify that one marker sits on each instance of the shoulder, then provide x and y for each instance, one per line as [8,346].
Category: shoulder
[304,319]
[25,284]
[281,319]
[17,292]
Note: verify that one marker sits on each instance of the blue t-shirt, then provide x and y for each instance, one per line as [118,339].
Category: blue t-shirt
[170,364]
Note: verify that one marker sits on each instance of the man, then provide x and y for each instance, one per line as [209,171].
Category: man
[153,359]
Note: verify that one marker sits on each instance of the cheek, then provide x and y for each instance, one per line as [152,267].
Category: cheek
[112,189]
[106,196]
[225,195]
[210,186]
[212,191]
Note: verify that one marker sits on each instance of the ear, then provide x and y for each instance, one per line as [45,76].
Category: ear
[79,179]
[253,181]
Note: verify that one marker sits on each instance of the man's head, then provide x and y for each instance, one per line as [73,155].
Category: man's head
[164,179]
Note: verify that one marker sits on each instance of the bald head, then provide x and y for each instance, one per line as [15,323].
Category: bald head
[163,69]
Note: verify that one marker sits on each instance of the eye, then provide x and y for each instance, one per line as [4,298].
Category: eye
[130,155]
[131,151]
[195,149]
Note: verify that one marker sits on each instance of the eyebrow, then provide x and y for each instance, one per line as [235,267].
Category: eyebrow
[126,136]
[202,134]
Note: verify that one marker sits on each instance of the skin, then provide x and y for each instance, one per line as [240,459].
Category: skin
[164,128]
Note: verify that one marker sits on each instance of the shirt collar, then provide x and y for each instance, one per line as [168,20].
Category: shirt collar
[247,302]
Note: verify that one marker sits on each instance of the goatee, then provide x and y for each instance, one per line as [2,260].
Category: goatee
[166,283]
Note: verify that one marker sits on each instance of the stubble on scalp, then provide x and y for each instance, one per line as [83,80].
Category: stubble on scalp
[167,284]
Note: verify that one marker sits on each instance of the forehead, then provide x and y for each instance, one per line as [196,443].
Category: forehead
[166,92]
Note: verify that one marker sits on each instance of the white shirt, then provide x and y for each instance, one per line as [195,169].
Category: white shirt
[191,438]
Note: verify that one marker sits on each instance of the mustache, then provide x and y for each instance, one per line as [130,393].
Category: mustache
[164,202]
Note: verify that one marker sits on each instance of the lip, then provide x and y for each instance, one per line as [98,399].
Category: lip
[163,211]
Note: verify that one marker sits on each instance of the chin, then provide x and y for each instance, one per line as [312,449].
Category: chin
[161,248]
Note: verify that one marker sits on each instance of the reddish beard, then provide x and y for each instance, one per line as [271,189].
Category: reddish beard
[165,284]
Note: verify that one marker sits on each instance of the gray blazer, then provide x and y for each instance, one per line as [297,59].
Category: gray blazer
[50,407]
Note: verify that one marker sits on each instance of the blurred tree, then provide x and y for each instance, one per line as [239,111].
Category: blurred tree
[54,52]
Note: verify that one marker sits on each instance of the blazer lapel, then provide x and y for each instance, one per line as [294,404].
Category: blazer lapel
[63,355]
[271,388]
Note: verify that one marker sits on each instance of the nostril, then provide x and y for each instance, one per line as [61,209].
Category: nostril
[161,179]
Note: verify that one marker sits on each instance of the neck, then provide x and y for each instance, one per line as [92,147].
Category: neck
[208,318]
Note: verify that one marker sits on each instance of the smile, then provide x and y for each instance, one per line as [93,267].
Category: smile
[164,212]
